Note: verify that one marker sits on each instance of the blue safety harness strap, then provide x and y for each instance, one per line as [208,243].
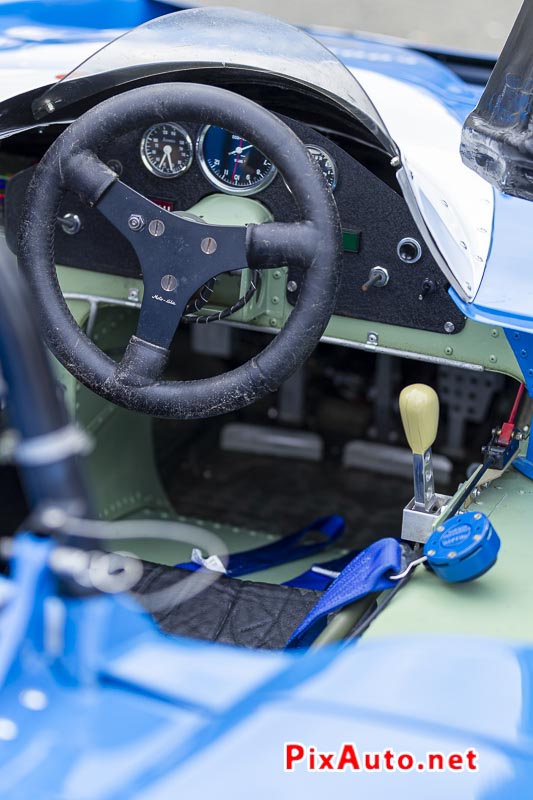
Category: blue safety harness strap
[321,575]
[283,551]
[368,572]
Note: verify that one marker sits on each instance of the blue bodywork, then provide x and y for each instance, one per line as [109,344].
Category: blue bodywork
[105,706]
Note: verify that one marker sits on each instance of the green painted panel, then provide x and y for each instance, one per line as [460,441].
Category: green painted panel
[499,603]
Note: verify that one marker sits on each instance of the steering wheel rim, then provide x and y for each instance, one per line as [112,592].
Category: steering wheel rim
[71,163]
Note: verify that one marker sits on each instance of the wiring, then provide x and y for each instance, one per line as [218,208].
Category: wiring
[201,300]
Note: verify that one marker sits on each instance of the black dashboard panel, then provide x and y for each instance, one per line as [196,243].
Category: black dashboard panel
[367,206]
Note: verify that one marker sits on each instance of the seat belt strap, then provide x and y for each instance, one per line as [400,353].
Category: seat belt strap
[321,575]
[368,572]
[283,551]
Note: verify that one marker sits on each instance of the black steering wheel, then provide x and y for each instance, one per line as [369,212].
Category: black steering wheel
[178,255]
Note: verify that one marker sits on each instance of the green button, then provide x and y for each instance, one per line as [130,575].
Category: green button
[351,241]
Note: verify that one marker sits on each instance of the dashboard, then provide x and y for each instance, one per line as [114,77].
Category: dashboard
[388,276]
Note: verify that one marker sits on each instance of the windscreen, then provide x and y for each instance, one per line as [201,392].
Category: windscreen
[217,38]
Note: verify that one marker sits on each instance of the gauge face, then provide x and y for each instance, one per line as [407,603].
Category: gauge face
[166,150]
[326,164]
[231,163]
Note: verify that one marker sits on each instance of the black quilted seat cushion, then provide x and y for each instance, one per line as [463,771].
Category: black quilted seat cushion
[226,610]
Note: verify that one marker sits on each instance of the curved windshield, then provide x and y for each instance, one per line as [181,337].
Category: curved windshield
[216,38]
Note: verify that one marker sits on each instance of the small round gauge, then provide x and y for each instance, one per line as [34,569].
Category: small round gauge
[231,163]
[167,150]
[326,164]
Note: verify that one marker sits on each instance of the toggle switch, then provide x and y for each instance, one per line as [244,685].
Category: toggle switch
[378,276]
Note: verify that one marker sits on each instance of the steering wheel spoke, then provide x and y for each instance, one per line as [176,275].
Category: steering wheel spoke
[177,254]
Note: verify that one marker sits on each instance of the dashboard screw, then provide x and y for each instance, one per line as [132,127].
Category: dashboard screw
[449,327]
[292,286]
[208,245]
[156,227]
[136,222]
[168,283]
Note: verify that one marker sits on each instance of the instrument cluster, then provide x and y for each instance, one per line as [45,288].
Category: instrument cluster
[230,163]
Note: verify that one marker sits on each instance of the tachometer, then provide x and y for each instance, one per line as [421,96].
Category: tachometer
[167,150]
[326,164]
[231,163]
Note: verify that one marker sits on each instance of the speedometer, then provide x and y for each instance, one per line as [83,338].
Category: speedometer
[166,150]
[231,163]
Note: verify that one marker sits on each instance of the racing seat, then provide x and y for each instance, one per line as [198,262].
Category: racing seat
[238,612]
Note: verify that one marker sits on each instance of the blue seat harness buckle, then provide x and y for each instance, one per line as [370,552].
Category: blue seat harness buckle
[462,549]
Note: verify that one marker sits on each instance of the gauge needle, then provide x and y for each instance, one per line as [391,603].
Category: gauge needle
[239,150]
[167,150]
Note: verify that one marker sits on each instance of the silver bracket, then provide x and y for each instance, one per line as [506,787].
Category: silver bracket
[417,525]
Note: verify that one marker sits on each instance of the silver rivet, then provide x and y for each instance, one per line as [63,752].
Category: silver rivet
[136,222]
[156,227]
[292,286]
[208,245]
[449,327]
[431,552]
[8,729]
[33,699]
[395,162]
[477,516]
[168,283]
[452,554]
[133,295]
[441,528]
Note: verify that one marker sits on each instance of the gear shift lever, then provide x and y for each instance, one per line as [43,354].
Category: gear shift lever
[419,409]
